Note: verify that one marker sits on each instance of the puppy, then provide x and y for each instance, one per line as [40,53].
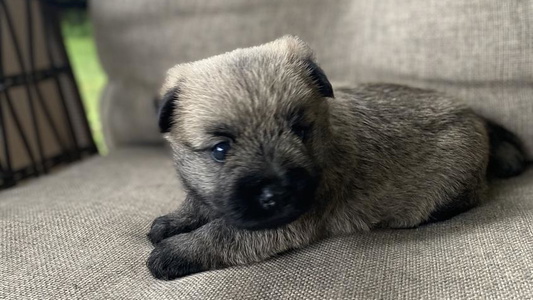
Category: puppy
[273,158]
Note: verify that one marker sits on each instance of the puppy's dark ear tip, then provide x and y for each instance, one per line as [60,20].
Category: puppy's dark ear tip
[167,106]
[320,79]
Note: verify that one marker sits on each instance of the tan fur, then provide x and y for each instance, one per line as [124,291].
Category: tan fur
[388,155]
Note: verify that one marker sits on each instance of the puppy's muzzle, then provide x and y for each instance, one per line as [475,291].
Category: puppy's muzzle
[263,201]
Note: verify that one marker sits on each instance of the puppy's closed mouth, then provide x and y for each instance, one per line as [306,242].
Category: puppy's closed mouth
[270,222]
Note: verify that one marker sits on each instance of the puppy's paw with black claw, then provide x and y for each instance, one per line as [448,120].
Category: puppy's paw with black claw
[167,262]
[160,230]
[169,225]
[164,227]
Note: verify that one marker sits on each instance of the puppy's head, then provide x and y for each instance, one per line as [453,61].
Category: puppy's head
[247,129]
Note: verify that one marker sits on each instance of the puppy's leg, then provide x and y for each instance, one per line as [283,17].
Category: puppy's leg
[187,218]
[218,245]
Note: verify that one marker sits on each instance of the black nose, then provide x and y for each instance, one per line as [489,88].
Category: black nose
[272,193]
[271,196]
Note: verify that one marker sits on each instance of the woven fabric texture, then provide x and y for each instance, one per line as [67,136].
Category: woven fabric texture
[478,50]
[80,234]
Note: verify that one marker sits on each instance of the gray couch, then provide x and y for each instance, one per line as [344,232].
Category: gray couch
[80,233]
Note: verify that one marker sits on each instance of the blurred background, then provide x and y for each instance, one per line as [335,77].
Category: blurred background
[78,34]
[50,84]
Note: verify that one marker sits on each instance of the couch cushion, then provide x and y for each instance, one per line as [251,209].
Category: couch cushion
[80,233]
[479,50]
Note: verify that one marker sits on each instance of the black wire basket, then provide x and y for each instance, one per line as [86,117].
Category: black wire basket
[42,120]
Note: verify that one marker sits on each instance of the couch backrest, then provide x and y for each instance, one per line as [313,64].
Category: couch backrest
[479,50]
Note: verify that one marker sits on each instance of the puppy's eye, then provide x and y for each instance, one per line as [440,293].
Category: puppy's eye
[301,131]
[219,152]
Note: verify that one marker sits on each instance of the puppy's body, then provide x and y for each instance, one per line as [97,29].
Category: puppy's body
[416,151]
[274,159]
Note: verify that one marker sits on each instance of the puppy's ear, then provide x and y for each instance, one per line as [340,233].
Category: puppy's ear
[293,47]
[319,78]
[300,51]
[167,107]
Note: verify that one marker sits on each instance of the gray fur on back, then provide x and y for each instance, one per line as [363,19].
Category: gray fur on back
[415,150]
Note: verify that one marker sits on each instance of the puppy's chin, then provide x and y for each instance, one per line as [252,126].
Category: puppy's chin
[271,222]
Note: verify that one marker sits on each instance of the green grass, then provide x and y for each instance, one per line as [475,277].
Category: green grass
[87,70]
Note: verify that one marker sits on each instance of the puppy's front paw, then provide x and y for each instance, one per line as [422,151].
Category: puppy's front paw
[162,227]
[170,225]
[168,262]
